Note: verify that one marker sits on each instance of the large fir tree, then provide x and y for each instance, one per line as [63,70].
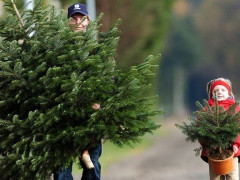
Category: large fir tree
[49,78]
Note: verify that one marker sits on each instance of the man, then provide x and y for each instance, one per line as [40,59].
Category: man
[78,13]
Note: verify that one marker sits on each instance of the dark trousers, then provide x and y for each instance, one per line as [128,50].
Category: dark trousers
[88,174]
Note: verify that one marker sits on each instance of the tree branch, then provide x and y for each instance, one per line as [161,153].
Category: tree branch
[18,14]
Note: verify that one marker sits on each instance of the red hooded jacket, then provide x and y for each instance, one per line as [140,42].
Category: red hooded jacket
[226,105]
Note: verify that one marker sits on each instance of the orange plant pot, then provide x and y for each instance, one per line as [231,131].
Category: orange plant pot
[222,167]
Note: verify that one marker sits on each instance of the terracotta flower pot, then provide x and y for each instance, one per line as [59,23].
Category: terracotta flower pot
[222,167]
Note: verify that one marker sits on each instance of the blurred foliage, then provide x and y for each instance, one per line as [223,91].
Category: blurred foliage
[183,50]
[217,22]
[144,26]
[215,48]
[183,45]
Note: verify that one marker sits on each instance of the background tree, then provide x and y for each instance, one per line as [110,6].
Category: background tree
[145,24]
[221,33]
[216,23]
[182,52]
[216,29]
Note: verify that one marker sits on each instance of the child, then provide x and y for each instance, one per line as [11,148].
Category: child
[221,89]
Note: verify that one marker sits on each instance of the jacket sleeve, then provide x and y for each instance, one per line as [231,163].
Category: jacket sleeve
[237,140]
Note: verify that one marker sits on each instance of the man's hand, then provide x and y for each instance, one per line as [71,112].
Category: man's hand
[96,106]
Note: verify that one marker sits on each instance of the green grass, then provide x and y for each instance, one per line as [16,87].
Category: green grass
[112,153]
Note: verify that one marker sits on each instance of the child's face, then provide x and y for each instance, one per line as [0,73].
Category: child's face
[221,92]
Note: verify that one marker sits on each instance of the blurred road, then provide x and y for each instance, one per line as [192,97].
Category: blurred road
[170,158]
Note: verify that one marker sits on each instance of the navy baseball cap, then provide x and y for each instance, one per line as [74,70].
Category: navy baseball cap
[77,8]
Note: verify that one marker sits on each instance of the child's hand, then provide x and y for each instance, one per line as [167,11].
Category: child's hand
[96,106]
[235,149]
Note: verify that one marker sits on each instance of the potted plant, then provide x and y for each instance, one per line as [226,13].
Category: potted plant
[215,129]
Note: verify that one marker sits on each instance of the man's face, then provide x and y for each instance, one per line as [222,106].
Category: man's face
[221,92]
[76,19]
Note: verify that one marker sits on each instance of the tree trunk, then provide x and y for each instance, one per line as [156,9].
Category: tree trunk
[178,90]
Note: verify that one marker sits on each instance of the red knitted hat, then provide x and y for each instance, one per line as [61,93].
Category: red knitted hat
[222,83]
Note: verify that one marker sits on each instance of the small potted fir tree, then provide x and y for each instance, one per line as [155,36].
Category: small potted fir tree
[215,129]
